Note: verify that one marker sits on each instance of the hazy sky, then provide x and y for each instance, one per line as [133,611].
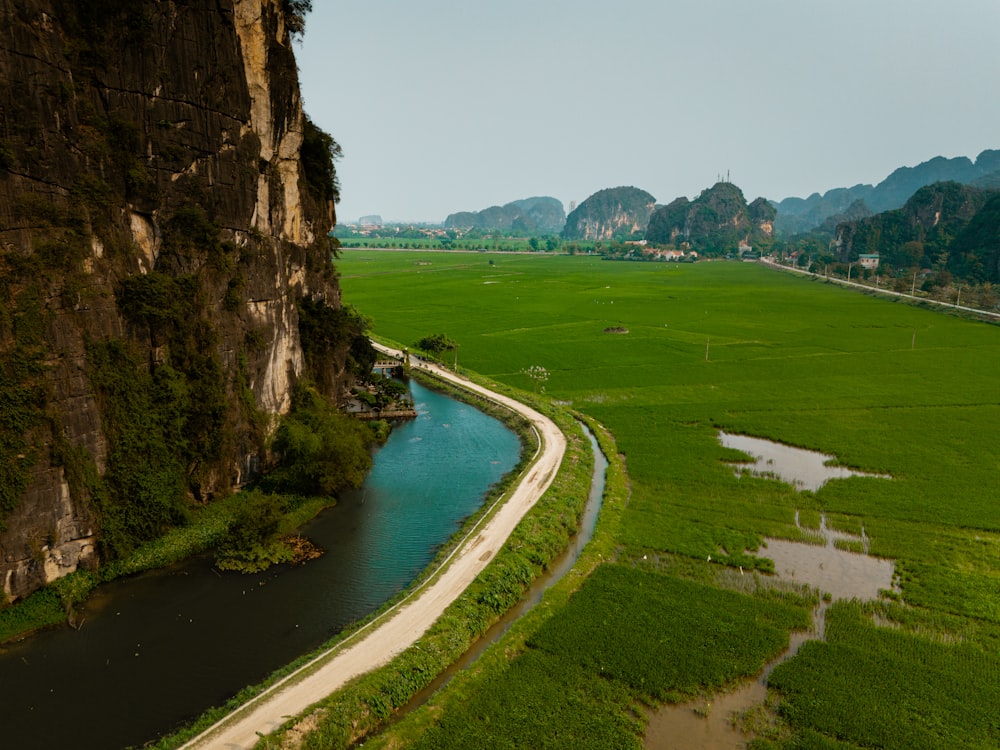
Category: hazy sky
[455,105]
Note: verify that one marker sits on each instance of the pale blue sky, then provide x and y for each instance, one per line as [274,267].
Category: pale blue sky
[453,105]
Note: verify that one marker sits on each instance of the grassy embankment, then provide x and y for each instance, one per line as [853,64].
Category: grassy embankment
[885,387]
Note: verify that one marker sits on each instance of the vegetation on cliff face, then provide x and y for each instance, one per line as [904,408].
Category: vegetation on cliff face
[318,153]
[714,223]
[295,12]
[529,216]
[156,247]
[945,227]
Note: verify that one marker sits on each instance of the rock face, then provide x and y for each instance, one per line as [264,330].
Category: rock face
[157,232]
[613,213]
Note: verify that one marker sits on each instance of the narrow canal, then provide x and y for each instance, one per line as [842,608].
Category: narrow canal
[552,575]
[156,650]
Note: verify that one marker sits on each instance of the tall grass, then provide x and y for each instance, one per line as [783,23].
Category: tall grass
[882,687]
[588,666]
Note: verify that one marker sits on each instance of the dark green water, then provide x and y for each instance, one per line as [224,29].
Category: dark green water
[156,650]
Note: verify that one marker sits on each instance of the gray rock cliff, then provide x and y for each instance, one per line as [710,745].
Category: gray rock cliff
[157,233]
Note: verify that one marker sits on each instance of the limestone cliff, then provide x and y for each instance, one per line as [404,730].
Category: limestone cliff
[158,231]
[613,213]
[715,222]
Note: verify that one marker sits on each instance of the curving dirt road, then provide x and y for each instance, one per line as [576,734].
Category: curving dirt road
[401,626]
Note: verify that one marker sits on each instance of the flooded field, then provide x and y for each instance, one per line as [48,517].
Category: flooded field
[841,573]
[829,565]
[804,470]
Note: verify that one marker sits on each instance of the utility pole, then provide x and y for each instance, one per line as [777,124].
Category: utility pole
[913,288]
[707,342]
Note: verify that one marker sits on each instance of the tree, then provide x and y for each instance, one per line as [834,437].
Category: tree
[436,343]
[295,15]
[538,374]
[322,451]
[254,542]
[910,254]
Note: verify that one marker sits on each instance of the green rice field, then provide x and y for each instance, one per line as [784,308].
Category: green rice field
[667,355]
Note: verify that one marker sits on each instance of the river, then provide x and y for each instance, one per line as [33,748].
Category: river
[157,649]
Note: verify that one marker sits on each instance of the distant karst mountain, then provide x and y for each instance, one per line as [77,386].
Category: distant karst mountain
[530,216]
[798,215]
[714,222]
[619,212]
[946,225]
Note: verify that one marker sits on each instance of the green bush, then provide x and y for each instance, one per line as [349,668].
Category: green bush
[253,543]
[322,451]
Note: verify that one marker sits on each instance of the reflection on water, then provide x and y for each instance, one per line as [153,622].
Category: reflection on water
[804,470]
[712,723]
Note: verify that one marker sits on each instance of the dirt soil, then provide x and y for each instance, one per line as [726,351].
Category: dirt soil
[401,626]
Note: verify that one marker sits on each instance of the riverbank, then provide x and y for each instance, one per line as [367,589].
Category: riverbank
[56,604]
[206,635]
[407,621]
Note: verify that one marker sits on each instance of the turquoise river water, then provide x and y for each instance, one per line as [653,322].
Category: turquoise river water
[157,649]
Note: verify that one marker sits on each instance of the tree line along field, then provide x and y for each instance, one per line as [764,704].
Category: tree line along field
[885,387]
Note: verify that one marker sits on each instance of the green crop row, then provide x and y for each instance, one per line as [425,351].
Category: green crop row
[881,687]
[591,663]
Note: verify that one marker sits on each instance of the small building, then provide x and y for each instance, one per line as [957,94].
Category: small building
[868,260]
[670,254]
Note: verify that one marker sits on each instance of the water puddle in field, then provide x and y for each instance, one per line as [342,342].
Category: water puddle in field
[837,564]
[803,469]
[842,573]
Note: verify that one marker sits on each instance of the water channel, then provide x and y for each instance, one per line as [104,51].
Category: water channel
[552,575]
[155,650]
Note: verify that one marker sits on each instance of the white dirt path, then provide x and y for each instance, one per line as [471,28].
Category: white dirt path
[400,627]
